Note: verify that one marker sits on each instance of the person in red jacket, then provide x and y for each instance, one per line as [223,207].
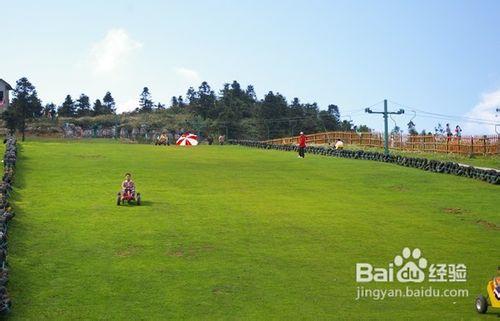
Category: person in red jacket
[302,144]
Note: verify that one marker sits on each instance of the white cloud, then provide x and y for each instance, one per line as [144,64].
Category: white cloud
[113,51]
[486,111]
[128,105]
[191,77]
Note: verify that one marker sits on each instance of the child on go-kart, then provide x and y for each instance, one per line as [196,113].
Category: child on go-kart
[496,284]
[128,185]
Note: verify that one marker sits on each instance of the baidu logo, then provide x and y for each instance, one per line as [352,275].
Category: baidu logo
[413,268]
[410,266]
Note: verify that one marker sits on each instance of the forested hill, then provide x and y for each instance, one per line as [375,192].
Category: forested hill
[233,110]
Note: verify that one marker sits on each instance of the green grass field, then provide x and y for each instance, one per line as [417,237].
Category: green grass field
[233,233]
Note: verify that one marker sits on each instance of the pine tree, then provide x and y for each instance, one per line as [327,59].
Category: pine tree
[67,108]
[99,108]
[83,106]
[145,102]
[25,106]
[108,104]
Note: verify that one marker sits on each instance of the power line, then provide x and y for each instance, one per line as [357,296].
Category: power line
[360,110]
[451,117]
[455,118]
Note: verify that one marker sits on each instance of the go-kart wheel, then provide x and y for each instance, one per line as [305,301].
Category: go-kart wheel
[481,304]
[138,198]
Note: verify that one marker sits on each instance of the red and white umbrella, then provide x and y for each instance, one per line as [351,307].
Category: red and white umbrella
[187,139]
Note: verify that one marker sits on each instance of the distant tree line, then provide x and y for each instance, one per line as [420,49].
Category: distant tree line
[237,111]
[233,110]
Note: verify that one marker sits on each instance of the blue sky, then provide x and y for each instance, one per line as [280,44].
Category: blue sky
[441,57]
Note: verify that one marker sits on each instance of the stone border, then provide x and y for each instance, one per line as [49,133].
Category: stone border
[9,163]
[491,176]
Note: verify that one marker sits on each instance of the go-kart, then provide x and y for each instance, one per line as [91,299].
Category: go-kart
[129,197]
[492,300]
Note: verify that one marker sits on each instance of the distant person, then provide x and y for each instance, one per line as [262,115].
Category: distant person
[339,144]
[448,131]
[302,145]
[458,132]
[161,139]
[221,139]
[210,140]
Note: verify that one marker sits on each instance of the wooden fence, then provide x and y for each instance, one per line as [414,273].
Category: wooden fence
[466,145]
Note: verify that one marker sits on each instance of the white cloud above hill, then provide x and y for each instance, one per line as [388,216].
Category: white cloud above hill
[113,51]
[485,110]
[189,76]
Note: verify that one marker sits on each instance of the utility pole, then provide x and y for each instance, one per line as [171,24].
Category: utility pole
[385,113]
[497,125]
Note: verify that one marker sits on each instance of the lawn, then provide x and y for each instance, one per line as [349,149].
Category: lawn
[234,233]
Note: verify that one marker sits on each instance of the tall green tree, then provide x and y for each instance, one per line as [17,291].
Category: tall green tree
[145,101]
[311,122]
[98,108]
[333,110]
[250,93]
[191,96]
[363,129]
[233,106]
[273,112]
[330,118]
[204,101]
[67,108]
[177,105]
[273,107]
[296,109]
[11,119]
[108,104]
[346,126]
[83,106]
[181,102]
[25,106]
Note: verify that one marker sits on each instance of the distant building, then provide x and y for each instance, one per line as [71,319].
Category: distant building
[4,95]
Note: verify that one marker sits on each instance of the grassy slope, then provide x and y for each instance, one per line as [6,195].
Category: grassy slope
[233,233]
